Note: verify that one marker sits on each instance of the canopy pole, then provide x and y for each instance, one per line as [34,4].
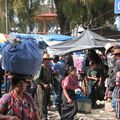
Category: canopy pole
[6,15]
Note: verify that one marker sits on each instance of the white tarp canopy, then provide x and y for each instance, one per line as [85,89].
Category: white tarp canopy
[87,40]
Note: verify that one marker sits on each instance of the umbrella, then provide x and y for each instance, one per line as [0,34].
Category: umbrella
[3,37]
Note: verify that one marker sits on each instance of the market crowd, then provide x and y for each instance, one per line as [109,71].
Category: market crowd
[56,81]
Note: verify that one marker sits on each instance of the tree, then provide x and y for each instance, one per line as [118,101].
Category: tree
[98,11]
[91,13]
[86,12]
[65,13]
[25,10]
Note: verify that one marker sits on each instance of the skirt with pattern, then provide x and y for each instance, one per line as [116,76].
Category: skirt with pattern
[68,110]
[116,95]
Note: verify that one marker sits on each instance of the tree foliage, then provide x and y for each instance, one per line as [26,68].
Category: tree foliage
[90,13]
[25,11]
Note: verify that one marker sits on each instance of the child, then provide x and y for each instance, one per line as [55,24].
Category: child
[117,96]
[94,81]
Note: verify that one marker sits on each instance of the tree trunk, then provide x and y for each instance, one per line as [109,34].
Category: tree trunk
[64,23]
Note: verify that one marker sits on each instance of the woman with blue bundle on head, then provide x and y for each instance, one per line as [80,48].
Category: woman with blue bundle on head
[21,58]
[18,104]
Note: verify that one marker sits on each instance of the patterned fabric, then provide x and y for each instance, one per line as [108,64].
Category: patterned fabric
[118,76]
[23,108]
[117,101]
[70,82]
[68,110]
[113,74]
[110,60]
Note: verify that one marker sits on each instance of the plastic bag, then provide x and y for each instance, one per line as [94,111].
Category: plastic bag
[22,56]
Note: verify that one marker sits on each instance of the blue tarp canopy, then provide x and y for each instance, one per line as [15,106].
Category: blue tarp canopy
[53,37]
[58,37]
[48,39]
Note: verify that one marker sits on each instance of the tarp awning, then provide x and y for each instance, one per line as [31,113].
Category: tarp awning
[51,39]
[87,40]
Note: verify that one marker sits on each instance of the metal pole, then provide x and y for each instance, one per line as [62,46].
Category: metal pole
[6,15]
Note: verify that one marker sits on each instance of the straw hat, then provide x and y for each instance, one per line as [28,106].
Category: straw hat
[108,46]
[46,56]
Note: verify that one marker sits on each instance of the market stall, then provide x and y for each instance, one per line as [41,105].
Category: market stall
[87,40]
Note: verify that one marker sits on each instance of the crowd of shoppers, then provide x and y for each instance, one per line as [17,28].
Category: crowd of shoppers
[58,76]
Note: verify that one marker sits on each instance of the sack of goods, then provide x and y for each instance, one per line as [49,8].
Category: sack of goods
[22,56]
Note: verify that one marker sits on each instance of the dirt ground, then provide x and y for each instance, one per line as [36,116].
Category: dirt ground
[97,113]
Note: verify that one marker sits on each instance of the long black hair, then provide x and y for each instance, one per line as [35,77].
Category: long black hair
[16,78]
[70,69]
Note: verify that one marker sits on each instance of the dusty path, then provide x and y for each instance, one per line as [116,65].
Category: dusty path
[97,113]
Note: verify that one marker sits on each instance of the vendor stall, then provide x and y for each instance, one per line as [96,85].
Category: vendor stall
[87,40]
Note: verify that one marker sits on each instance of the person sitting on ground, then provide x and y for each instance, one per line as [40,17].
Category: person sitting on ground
[18,104]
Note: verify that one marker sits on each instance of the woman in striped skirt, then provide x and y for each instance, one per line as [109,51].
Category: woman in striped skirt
[117,96]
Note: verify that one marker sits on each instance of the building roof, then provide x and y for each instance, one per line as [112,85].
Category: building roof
[107,32]
[46,16]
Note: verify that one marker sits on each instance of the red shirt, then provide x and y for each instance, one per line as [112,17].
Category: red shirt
[70,82]
[22,108]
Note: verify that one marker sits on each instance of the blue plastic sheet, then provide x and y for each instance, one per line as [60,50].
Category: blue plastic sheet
[80,96]
[25,57]
[51,37]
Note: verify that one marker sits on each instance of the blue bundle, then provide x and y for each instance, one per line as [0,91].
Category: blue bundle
[22,56]
[80,96]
